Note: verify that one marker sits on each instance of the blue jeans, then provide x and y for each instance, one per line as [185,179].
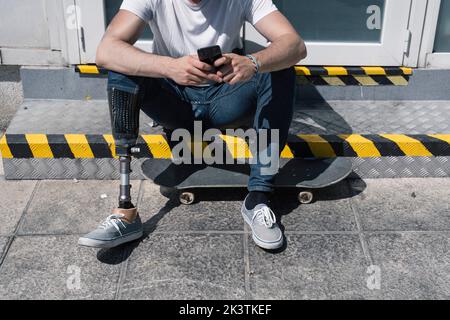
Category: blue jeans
[264,102]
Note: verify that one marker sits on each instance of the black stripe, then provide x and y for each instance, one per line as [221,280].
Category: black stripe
[303,80]
[299,147]
[437,147]
[393,71]
[318,81]
[382,80]
[103,71]
[99,146]
[340,146]
[19,146]
[59,146]
[350,80]
[355,71]
[386,147]
[318,71]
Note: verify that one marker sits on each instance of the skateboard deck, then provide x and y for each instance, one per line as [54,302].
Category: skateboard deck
[293,173]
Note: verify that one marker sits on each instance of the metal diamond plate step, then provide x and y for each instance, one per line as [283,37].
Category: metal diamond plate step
[59,117]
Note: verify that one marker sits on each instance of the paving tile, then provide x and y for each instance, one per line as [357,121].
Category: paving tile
[311,267]
[3,242]
[14,196]
[331,212]
[160,214]
[187,266]
[70,207]
[46,268]
[412,265]
[2,171]
[404,204]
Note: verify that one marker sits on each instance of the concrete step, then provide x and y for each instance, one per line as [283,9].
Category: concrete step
[315,83]
[66,139]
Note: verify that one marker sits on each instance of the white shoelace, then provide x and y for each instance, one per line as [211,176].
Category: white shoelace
[265,216]
[113,220]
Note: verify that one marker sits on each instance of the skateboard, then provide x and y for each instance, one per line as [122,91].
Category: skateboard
[186,181]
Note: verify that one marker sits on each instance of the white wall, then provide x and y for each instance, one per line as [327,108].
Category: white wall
[23,24]
[32,32]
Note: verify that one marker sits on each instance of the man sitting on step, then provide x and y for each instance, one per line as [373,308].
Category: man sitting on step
[173,87]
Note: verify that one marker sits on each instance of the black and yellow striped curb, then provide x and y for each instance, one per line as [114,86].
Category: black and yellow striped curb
[323,76]
[79,146]
[354,76]
[90,69]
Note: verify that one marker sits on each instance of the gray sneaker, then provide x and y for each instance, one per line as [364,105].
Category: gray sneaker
[113,232]
[266,232]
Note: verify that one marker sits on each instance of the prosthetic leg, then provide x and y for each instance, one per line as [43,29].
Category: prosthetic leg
[124,110]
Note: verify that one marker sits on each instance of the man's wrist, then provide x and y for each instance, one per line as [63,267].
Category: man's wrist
[167,66]
[255,62]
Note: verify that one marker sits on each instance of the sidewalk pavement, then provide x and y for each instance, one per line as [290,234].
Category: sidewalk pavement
[374,239]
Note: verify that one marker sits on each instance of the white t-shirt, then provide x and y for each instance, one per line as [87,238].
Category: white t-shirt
[181,27]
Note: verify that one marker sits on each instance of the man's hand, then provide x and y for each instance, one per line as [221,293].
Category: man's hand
[189,71]
[233,68]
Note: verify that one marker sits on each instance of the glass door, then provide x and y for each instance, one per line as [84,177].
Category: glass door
[93,18]
[348,32]
[338,32]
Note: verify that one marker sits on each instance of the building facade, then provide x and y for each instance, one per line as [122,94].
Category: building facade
[413,33]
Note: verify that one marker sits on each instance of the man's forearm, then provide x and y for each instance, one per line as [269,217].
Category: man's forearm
[122,57]
[283,53]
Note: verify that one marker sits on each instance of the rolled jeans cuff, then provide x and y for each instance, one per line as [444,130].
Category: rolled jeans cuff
[268,189]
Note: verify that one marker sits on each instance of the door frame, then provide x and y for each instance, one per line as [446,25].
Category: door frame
[428,58]
[92,28]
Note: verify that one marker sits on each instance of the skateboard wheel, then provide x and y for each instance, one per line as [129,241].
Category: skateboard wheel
[305,197]
[187,198]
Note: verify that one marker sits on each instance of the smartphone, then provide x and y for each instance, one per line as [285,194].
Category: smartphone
[209,55]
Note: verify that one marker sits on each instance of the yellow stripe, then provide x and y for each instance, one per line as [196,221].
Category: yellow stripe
[366,80]
[333,81]
[443,137]
[39,146]
[319,146]
[379,71]
[407,71]
[79,146]
[336,71]
[158,146]
[5,152]
[111,144]
[287,153]
[237,146]
[363,147]
[302,71]
[88,69]
[398,80]
[411,147]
